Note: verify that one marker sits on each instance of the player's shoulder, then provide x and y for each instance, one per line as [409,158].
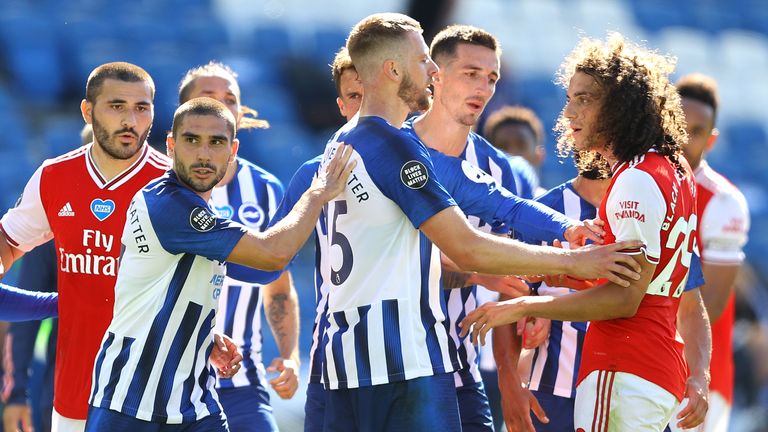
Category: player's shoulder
[158,159]
[554,196]
[66,160]
[716,183]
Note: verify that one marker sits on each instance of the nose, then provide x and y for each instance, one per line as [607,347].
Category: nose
[432,69]
[569,112]
[129,119]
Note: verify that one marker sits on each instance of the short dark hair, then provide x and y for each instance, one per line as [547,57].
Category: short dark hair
[203,106]
[378,34]
[444,43]
[120,71]
[341,62]
[513,115]
[702,88]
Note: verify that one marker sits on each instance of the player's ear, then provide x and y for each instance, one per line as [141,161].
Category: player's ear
[169,145]
[86,109]
[712,138]
[235,148]
[391,70]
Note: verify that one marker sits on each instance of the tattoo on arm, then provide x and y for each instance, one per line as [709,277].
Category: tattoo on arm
[278,310]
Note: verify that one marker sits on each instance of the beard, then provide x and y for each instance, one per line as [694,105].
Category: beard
[414,96]
[109,141]
[184,174]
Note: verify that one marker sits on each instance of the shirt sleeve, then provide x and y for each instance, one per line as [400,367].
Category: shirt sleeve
[299,184]
[26,225]
[724,227]
[402,169]
[21,305]
[635,210]
[184,223]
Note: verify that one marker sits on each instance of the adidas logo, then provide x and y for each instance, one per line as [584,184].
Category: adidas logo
[66,210]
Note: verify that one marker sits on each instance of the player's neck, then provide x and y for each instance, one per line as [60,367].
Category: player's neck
[389,107]
[108,166]
[592,191]
[439,131]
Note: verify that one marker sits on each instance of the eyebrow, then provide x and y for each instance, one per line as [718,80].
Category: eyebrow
[213,137]
[123,101]
[208,92]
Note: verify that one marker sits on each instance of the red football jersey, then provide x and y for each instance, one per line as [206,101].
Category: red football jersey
[650,201]
[68,199]
[722,234]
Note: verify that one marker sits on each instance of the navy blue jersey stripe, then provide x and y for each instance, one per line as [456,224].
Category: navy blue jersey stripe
[182,337]
[186,407]
[117,369]
[233,294]
[250,316]
[99,362]
[393,347]
[362,359]
[155,335]
[582,333]
[337,348]
[427,317]
[552,365]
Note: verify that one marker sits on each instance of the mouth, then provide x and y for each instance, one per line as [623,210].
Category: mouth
[475,105]
[203,173]
[127,138]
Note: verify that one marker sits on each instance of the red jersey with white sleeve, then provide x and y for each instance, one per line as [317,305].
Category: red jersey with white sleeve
[649,200]
[722,234]
[69,200]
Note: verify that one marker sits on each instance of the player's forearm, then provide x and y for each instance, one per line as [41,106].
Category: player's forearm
[282,311]
[501,256]
[535,220]
[718,284]
[21,305]
[285,238]
[694,327]
[604,302]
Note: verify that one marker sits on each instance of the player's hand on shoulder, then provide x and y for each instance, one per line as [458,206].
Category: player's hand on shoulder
[287,382]
[332,180]
[587,230]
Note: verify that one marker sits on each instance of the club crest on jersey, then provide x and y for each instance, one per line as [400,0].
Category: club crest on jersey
[102,209]
[225,211]
[202,219]
[414,174]
[251,214]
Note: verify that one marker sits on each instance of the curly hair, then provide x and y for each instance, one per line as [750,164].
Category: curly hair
[249,118]
[640,108]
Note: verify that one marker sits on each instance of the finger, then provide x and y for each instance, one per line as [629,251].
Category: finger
[538,410]
[520,327]
[484,332]
[612,277]
[628,260]
[623,270]
[598,222]
[686,410]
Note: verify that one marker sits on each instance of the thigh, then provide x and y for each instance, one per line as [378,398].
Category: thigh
[314,408]
[64,424]
[247,409]
[618,401]
[420,404]
[474,409]
[559,410]
[103,419]
[340,411]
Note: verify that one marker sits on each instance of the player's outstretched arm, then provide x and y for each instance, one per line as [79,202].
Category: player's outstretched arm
[473,250]
[604,302]
[8,254]
[694,327]
[21,305]
[273,249]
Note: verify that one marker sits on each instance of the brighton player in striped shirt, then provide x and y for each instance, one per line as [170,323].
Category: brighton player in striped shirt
[723,232]
[249,195]
[152,372]
[622,107]
[387,343]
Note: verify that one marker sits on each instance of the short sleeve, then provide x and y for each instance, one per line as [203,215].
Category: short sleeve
[184,223]
[723,228]
[26,225]
[635,210]
[402,169]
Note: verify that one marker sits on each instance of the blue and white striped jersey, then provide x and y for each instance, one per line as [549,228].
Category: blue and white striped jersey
[509,173]
[153,362]
[300,182]
[250,198]
[385,314]
[556,362]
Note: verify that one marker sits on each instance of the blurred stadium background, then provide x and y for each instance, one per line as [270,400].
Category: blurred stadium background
[281,50]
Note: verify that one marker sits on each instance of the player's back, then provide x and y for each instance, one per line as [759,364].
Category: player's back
[648,199]
[69,198]
[384,308]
